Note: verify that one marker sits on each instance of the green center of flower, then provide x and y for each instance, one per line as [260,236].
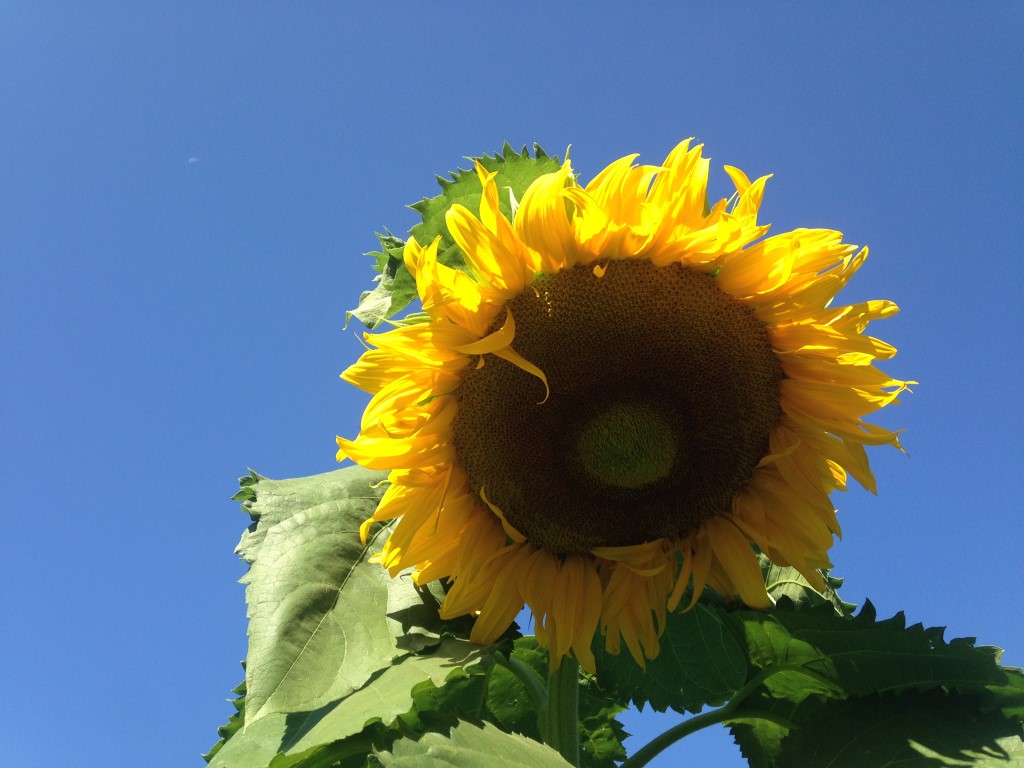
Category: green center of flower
[627,445]
[664,390]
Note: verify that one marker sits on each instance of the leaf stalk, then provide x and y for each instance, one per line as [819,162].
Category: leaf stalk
[721,715]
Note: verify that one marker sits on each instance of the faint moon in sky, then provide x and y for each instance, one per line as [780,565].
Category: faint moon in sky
[193,160]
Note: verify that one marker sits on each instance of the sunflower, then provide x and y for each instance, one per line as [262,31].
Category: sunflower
[629,393]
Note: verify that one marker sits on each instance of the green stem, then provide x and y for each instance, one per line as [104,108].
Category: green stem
[672,735]
[722,715]
[561,731]
[536,686]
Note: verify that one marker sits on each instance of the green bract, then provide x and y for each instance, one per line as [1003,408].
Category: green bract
[395,286]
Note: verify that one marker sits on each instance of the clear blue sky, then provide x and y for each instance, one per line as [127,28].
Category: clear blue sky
[186,190]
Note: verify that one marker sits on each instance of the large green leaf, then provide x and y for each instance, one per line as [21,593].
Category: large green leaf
[233,725]
[386,696]
[515,171]
[701,663]
[1007,752]
[809,668]
[278,500]
[436,707]
[912,730]
[301,735]
[860,655]
[471,746]
[323,620]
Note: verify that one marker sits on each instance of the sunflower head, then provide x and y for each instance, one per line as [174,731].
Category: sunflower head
[622,393]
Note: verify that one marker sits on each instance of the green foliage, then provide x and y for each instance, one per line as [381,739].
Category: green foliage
[434,706]
[395,286]
[234,722]
[347,732]
[792,682]
[813,674]
[471,746]
[348,668]
[332,637]
[786,582]
[1010,694]
[357,488]
[382,699]
[701,663]
[322,619]
[857,654]
[909,730]
[601,734]
[702,660]
[491,693]
[347,659]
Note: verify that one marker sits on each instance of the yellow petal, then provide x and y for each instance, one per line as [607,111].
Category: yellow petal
[510,530]
[498,343]
[737,559]
[542,222]
[499,263]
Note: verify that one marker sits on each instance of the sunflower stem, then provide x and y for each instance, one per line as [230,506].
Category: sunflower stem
[561,731]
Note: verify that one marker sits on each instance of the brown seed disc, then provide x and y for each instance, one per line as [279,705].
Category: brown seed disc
[662,344]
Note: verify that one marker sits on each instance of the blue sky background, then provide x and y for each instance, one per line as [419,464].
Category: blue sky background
[186,190]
